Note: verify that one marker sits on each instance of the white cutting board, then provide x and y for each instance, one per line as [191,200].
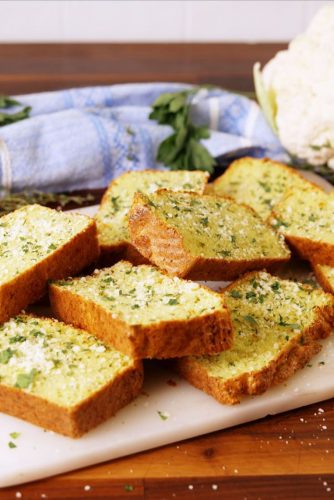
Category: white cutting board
[139,426]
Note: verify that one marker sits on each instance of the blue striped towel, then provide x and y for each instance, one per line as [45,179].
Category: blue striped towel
[84,137]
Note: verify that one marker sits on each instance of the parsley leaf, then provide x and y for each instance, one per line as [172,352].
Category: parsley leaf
[6,355]
[24,380]
[250,319]
[8,118]
[181,150]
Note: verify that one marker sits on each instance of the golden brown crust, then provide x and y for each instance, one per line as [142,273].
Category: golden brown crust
[31,285]
[163,246]
[207,334]
[300,350]
[322,278]
[110,254]
[74,421]
[315,251]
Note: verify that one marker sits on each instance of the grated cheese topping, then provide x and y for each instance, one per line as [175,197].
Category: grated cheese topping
[32,233]
[55,361]
[143,295]
[268,315]
[112,215]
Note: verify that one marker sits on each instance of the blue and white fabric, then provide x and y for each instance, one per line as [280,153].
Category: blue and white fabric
[82,138]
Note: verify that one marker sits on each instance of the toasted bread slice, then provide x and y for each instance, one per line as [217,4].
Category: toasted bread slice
[305,217]
[112,215]
[38,244]
[259,183]
[62,378]
[276,325]
[143,312]
[325,276]
[202,237]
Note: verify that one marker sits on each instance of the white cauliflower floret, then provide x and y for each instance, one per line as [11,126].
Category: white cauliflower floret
[296,92]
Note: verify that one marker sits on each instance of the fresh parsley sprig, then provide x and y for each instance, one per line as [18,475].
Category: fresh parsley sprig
[182,150]
[8,118]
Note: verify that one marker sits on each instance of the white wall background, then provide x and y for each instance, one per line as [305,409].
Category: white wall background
[155,20]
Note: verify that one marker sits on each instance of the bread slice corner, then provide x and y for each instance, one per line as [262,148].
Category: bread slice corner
[325,276]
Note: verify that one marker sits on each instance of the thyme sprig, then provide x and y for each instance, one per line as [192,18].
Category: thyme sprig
[13,201]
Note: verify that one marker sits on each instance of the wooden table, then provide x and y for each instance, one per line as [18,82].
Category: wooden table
[288,456]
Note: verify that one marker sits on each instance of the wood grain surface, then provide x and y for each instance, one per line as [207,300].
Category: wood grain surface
[289,456]
[28,68]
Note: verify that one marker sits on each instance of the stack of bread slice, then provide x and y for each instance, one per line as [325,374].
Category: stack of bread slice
[72,374]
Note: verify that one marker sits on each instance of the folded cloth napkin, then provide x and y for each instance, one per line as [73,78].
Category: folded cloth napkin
[82,138]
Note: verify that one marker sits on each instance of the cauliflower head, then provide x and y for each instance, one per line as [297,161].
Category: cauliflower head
[296,92]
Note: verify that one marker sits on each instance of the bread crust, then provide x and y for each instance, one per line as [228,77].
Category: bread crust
[110,254]
[163,245]
[206,334]
[286,363]
[67,260]
[79,419]
[315,251]
[322,278]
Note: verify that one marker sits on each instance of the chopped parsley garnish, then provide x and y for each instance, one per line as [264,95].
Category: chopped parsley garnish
[128,487]
[173,302]
[24,380]
[115,203]
[36,333]
[6,355]
[204,221]
[224,253]
[265,186]
[15,435]
[11,445]
[250,319]
[235,294]
[275,286]
[17,339]
[162,415]
[279,223]
[293,326]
